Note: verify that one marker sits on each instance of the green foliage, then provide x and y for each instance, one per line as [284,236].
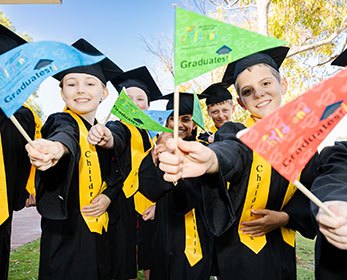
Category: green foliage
[4,20]
[305,22]
[302,23]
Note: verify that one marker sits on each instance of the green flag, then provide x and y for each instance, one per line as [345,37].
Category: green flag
[203,44]
[197,115]
[125,109]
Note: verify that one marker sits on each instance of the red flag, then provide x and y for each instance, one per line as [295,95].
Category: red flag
[289,137]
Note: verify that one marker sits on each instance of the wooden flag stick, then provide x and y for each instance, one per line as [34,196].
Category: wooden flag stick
[313,198]
[210,134]
[21,130]
[176,114]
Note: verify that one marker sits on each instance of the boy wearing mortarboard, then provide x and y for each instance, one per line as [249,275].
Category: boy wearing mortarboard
[220,107]
[130,144]
[254,224]
[183,244]
[14,163]
[76,182]
[330,185]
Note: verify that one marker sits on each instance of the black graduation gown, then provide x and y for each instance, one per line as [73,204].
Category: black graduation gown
[330,184]
[69,250]
[17,168]
[123,232]
[168,257]
[224,207]
[203,138]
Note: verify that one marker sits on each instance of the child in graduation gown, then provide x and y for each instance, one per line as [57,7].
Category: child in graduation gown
[330,185]
[132,234]
[253,219]
[75,182]
[179,214]
[14,163]
[220,107]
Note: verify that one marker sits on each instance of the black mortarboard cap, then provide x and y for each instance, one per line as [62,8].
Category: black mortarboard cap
[273,57]
[105,69]
[141,78]
[341,60]
[9,39]
[186,102]
[216,93]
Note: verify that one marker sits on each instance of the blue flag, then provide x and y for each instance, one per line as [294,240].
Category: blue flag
[25,67]
[158,116]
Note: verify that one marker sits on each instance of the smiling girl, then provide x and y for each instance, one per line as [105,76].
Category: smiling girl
[75,182]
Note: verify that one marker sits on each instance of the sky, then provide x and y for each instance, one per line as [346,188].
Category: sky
[114,27]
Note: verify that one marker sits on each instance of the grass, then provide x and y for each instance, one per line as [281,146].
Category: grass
[304,258]
[24,261]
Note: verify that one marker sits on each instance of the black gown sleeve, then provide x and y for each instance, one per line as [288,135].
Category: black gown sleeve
[111,172]
[203,138]
[17,163]
[298,207]
[151,182]
[53,185]
[232,158]
[330,184]
[331,180]
[121,136]
[186,194]
[120,154]
[231,153]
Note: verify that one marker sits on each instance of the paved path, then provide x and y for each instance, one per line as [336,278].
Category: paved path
[25,227]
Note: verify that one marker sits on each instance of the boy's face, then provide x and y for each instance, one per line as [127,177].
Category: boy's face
[220,112]
[185,125]
[260,91]
[139,97]
[82,93]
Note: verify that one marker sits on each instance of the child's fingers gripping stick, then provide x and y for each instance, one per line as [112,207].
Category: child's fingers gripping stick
[96,133]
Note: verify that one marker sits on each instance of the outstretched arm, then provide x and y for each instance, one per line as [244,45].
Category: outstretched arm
[45,153]
[191,159]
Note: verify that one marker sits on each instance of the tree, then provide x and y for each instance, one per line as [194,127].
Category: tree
[316,30]
[5,21]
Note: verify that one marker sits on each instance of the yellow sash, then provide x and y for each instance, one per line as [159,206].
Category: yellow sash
[287,233]
[214,129]
[90,181]
[4,213]
[131,183]
[30,187]
[192,249]
[256,198]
